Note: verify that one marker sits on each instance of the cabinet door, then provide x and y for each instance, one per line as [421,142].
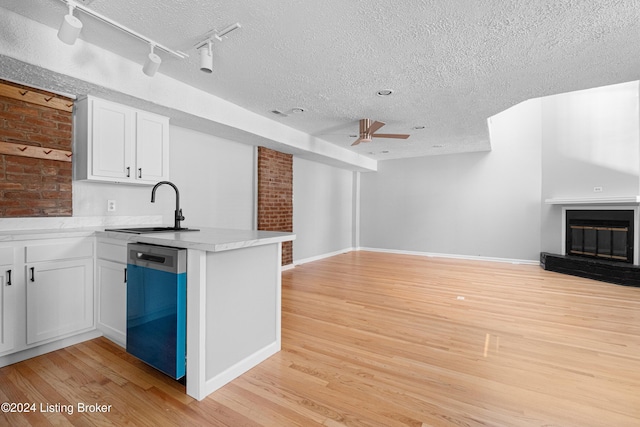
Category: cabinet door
[112,136]
[59,298]
[112,298]
[152,146]
[8,306]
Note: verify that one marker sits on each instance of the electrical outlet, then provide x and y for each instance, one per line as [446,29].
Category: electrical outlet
[597,189]
[111,205]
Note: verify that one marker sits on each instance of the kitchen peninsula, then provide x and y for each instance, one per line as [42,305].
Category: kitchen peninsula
[233,300]
[62,286]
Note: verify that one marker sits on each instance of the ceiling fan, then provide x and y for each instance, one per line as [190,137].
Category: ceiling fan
[368,129]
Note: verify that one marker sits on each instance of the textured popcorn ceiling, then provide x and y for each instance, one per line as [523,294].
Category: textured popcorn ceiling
[451,64]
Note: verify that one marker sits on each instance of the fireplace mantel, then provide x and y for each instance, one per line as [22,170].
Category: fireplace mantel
[594,201]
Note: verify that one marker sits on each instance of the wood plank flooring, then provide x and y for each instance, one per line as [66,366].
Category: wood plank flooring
[373,339]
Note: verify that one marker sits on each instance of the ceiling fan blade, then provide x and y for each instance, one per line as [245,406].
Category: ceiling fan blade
[391,135]
[374,127]
[357,141]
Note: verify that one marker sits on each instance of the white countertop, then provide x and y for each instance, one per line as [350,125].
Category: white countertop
[207,239]
[18,235]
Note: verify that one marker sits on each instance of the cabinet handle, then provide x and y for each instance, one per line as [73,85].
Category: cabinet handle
[33,274]
[125,275]
[128,172]
[139,172]
[8,277]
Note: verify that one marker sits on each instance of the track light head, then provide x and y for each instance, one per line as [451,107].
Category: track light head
[70,28]
[152,63]
[205,46]
[206,58]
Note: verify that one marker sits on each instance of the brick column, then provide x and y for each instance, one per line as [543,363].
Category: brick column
[275,195]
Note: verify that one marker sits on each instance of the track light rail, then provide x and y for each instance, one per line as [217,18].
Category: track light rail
[100,17]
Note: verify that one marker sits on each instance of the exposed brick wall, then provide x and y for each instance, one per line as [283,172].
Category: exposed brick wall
[275,195]
[31,187]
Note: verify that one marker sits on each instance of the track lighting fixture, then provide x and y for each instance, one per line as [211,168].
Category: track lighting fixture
[205,46]
[70,27]
[219,35]
[153,62]
[206,58]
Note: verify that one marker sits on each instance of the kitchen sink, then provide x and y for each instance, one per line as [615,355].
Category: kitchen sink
[146,230]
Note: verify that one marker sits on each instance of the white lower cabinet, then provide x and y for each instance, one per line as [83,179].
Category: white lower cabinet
[7,302]
[59,298]
[111,277]
[46,295]
[112,300]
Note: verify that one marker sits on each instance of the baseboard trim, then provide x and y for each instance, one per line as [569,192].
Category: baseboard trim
[28,353]
[452,256]
[240,368]
[417,253]
[323,256]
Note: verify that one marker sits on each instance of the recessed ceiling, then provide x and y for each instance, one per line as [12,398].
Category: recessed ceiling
[450,64]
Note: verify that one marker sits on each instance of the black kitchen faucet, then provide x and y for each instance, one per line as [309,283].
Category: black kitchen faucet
[178,213]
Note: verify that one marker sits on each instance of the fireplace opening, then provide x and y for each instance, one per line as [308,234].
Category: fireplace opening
[601,234]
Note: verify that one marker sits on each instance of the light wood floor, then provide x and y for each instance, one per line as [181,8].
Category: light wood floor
[374,339]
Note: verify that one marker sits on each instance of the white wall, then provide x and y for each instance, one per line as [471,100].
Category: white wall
[322,209]
[477,204]
[590,138]
[215,178]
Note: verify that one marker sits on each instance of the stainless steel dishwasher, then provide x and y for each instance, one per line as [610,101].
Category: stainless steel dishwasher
[157,306]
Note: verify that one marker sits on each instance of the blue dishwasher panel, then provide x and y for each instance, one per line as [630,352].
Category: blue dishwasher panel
[156,310]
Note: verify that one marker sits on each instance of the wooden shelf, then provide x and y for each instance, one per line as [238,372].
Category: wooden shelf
[36,97]
[34,152]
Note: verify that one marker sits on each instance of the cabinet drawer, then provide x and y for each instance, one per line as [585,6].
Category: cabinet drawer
[61,250]
[112,252]
[6,256]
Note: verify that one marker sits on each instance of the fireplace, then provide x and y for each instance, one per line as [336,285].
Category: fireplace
[600,234]
[598,239]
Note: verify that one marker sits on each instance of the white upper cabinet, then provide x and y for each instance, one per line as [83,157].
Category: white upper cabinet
[116,143]
[152,147]
[112,138]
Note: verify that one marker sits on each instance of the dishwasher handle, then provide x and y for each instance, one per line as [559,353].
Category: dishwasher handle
[163,258]
[150,257]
